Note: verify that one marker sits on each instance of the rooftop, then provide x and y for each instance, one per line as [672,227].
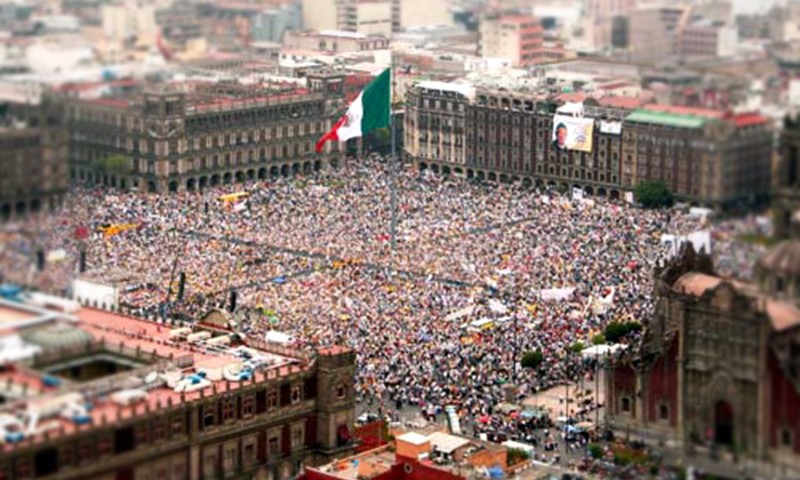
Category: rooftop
[413,438]
[782,314]
[159,365]
[666,119]
[15,316]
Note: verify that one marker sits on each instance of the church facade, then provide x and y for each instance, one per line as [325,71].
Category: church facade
[716,372]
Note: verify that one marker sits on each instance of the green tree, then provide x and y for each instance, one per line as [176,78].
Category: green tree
[577,347]
[113,165]
[532,360]
[596,451]
[598,339]
[515,456]
[616,331]
[653,194]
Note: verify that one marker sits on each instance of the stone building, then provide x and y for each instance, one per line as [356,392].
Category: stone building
[175,141]
[716,371]
[710,156]
[118,398]
[786,188]
[33,173]
[507,137]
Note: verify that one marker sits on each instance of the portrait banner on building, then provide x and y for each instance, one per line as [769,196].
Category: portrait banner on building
[573,133]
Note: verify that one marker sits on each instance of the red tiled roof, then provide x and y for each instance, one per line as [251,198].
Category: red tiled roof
[749,119]
[83,86]
[627,103]
[571,97]
[615,85]
[110,102]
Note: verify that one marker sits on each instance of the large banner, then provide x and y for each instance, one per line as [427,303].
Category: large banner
[572,133]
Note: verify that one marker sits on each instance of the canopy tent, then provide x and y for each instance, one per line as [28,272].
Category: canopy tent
[556,294]
[274,336]
[464,312]
[598,351]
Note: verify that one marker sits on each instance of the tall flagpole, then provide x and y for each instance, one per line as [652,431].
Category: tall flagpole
[393,164]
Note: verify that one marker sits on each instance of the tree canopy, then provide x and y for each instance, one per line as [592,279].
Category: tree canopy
[114,164]
[532,360]
[653,194]
[616,331]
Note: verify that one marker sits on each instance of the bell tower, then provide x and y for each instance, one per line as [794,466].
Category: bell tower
[336,369]
[786,187]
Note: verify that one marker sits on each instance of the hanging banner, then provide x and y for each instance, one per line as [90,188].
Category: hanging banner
[614,128]
[572,133]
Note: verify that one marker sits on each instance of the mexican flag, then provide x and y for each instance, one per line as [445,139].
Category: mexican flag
[368,112]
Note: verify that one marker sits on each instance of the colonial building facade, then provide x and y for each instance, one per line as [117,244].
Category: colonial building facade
[786,190]
[716,370]
[712,157]
[173,141]
[33,174]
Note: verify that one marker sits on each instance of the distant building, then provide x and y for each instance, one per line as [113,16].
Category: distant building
[34,176]
[653,32]
[334,41]
[408,14]
[708,39]
[111,396]
[129,20]
[323,14]
[12,13]
[374,16]
[271,25]
[784,22]
[371,17]
[516,37]
[219,134]
[179,24]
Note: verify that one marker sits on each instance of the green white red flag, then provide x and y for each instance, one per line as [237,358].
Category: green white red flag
[369,111]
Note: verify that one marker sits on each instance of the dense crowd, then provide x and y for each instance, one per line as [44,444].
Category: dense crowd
[443,320]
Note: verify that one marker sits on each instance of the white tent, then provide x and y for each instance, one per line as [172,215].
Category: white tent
[496,306]
[599,351]
[464,312]
[274,336]
[556,294]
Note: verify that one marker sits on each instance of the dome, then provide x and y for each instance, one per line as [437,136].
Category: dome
[783,259]
[58,336]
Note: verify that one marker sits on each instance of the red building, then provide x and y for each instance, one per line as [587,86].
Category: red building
[438,456]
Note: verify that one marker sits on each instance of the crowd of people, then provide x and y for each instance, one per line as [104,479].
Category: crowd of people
[481,273]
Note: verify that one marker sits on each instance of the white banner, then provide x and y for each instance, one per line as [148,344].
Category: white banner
[556,294]
[629,198]
[614,128]
[601,304]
